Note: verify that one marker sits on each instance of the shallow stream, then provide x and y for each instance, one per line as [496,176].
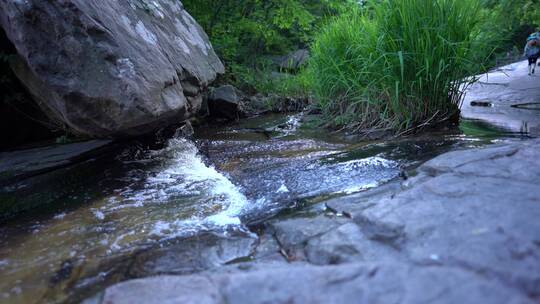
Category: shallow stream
[142,196]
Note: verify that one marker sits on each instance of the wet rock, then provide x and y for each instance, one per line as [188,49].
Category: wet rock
[382,231]
[337,246]
[21,164]
[293,235]
[193,254]
[352,283]
[355,203]
[226,102]
[297,231]
[481,103]
[111,68]
[278,104]
[346,244]
[259,104]
[185,131]
[463,230]
[76,280]
[504,88]
[292,61]
[475,209]
[268,250]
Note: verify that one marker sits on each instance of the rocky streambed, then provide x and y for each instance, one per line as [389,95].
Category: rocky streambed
[267,194]
[463,230]
[269,210]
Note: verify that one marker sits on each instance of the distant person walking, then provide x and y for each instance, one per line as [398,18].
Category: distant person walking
[535,35]
[532,52]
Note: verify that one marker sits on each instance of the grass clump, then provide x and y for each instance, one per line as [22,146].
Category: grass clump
[400,64]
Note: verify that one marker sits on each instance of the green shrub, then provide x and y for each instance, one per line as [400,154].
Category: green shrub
[283,84]
[400,64]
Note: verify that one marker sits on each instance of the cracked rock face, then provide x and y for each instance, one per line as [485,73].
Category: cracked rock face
[353,283]
[507,91]
[110,68]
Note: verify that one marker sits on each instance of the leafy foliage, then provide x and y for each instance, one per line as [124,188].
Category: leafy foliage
[400,64]
[245,33]
[511,20]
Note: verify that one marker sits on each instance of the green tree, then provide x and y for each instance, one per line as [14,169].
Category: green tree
[512,20]
[245,32]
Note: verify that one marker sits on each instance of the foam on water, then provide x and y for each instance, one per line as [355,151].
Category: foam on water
[195,171]
[179,174]
[133,203]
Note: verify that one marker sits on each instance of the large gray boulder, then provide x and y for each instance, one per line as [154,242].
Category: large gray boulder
[110,68]
[475,209]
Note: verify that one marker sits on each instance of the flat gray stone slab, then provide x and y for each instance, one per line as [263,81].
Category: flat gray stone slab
[475,209]
[504,88]
[352,283]
[24,163]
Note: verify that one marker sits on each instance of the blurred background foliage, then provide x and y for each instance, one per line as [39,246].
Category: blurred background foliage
[247,33]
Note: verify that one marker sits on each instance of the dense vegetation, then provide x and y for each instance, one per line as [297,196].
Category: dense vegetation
[376,63]
[399,64]
[512,21]
[395,64]
[247,33]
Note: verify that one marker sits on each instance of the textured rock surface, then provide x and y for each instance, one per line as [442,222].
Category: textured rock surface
[354,283]
[24,163]
[475,209]
[465,229]
[20,169]
[225,102]
[512,97]
[190,255]
[110,67]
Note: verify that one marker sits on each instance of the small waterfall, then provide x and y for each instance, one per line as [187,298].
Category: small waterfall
[177,177]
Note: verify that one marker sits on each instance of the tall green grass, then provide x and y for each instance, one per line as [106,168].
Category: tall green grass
[399,64]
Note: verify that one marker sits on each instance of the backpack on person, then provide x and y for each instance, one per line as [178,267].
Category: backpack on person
[534,36]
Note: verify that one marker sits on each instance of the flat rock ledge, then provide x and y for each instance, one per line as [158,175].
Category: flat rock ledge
[465,229]
[506,97]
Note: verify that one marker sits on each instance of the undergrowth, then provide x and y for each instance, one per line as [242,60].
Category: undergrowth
[399,65]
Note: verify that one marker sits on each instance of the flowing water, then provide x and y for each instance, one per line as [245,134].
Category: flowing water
[140,196]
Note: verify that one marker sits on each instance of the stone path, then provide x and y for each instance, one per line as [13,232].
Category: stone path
[505,88]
